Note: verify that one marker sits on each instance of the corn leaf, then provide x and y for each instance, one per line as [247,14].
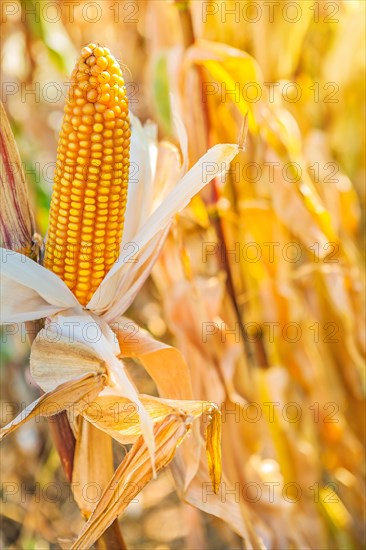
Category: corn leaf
[131,476]
[73,394]
[16,220]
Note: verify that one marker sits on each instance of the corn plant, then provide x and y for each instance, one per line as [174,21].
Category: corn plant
[87,281]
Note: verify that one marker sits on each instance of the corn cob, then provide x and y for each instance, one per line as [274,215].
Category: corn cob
[91,177]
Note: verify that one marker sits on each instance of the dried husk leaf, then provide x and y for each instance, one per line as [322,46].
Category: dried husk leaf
[213,448]
[169,370]
[16,221]
[35,291]
[168,170]
[165,364]
[53,363]
[73,394]
[93,464]
[131,476]
[119,416]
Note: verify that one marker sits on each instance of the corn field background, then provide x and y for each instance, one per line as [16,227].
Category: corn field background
[259,284]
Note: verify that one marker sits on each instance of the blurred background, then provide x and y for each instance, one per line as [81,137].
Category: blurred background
[261,281]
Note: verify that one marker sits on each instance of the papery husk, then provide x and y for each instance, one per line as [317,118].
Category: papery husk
[65,359]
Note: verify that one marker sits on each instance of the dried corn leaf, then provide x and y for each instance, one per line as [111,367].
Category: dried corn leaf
[35,291]
[100,354]
[93,464]
[55,362]
[227,66]
[131,476]
[72,394]
[16,221]
[169,370]
[165,364]
[119,416]
[201,495]
[213,448]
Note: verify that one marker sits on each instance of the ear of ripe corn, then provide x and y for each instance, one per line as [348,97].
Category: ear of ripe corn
[91,177]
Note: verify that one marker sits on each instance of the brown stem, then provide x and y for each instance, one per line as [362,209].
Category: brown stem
[64,441]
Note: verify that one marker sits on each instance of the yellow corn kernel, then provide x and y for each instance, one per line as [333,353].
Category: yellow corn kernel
[91,177]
